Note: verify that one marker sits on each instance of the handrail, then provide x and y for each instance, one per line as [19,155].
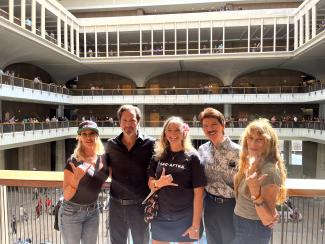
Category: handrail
[296,187]
[34,126]
[206,90]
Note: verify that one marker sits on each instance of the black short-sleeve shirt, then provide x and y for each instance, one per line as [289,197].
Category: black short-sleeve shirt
[187,172]
[129,167]
[89,186]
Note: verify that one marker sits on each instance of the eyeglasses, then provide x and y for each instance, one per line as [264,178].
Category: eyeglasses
[90,135]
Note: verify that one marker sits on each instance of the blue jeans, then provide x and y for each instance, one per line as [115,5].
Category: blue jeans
[78,223]
[250,231]
[123,218]
[218,221]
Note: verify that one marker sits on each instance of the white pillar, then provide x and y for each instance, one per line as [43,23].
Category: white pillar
[274,35]
[227,110]
[96,49]
[313,21]
[34,16]
[141,107]
[301,31]
[60,155]
[72,38]
[43,20]
[0,110]
[295,34]
[287,152]
[60,111]
[249,36]
[262,33]
[23,13]
[66,33]
[307,29]
[77,42]
[321,111]
[11,10]
[58,30]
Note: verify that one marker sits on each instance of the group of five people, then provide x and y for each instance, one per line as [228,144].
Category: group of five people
[235,188]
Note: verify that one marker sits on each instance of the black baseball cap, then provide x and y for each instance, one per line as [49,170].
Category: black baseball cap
[87,125]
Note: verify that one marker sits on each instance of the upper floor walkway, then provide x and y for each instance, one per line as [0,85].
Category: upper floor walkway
[57,37]
[19,89]
[22,134]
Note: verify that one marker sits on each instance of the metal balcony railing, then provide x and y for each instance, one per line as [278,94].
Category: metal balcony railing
[26,83]
[23,127]
[27,199]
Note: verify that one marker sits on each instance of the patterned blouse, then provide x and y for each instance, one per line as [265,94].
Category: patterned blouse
[220,165]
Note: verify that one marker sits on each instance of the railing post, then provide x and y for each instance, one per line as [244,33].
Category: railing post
[4,227]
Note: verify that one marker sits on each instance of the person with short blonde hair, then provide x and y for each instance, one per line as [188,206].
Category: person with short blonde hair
[259,184]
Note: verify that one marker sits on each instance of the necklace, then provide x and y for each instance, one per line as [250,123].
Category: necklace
[173,155]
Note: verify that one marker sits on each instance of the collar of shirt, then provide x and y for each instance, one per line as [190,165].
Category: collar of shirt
[223,145]
[140,137]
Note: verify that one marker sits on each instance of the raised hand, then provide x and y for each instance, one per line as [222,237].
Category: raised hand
[165,180]
[78,173]
[254,183]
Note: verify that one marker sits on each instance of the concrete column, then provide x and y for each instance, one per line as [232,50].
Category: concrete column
[30,157]
[321,112]
[34,16]
[309,158]
[60,158]
[320,168]
[43,20]
[60,111]
[11,10]
[1,110]
[227,110]
[2,159]
[23,13]
[58,36]
[287,152]
[141,107]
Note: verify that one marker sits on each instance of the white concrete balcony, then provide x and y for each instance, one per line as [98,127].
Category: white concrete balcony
[24,134]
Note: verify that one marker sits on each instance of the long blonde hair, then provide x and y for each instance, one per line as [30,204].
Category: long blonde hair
[271,154]
[78,151]
[162,143]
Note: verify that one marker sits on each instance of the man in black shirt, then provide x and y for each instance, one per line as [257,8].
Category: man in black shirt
[129,156]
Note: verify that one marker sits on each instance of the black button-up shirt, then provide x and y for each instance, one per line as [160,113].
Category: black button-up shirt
[129,167]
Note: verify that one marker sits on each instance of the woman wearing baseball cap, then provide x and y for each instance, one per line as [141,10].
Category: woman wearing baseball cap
[84,174]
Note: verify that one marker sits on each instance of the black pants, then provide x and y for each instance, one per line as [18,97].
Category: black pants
[218,221]
[125,218]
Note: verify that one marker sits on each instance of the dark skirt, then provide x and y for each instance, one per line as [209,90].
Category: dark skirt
[169,227]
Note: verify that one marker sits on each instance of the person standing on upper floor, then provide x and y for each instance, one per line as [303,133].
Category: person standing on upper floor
[219,156]
[130,154]
[259,184]
[84,174]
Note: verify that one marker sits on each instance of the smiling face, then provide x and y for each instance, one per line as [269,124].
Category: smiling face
[88,138]
[256,144]
[129,123]
[213,130]
[174,135]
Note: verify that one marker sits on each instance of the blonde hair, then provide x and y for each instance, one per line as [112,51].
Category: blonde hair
[162,143]
[271,154]
[78,151]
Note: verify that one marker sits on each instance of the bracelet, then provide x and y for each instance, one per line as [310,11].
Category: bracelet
[155,184]
[256,197]
[259,204]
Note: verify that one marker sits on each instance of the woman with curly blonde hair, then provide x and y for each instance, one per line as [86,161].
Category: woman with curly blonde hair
[259,184]
[176,172]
